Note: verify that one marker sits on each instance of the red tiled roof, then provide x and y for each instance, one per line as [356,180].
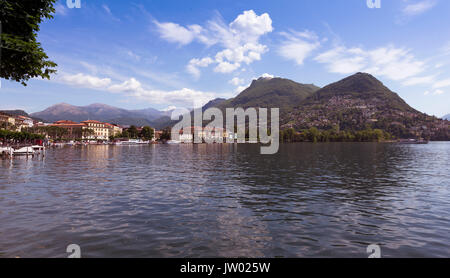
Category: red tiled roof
[92,121]
[64,122]
[68,125]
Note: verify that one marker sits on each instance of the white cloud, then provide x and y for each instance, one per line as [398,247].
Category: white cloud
[442,84]
[182,97]
[85,81]
[176,33]
[267,76]
[418,7]
[298,45]
[131,85]
[237,81]
[239,40]
[250,26]
[133,88]
[194,64]
[391,62]
[438,92]
[342,60]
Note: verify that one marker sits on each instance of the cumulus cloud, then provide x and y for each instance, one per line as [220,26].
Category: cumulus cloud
[175,33]
[391,62]
[239,40]
[85,81]
[298,45]
[195,64]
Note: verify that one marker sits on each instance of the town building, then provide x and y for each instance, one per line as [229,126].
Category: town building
[74,130]
[114,130]
[7,120]
[215,134]
[100,131]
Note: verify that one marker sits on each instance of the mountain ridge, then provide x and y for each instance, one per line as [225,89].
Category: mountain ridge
[100,112]
[271,93]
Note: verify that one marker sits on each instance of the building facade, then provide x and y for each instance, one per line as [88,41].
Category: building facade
[100,131]
[7,120]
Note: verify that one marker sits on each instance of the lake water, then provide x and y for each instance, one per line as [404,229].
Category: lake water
[309,200]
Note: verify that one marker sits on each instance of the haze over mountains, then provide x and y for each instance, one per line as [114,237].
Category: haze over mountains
[357,102]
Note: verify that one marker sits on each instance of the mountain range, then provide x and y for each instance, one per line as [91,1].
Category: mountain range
[354,103]
[446,117]
[100,112]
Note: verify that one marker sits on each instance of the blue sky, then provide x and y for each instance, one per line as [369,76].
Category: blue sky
[138,54]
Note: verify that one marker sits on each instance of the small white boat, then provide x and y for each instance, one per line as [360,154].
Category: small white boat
[134,142]
[24,151]
[173,142]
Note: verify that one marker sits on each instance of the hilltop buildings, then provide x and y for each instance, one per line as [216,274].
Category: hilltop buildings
[14,122]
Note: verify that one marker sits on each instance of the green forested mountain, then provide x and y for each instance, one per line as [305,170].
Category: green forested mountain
[271,92]
[361,102]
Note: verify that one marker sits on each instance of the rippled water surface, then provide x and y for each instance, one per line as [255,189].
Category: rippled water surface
[309,200]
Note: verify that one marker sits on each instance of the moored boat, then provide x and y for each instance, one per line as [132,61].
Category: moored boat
[24,151]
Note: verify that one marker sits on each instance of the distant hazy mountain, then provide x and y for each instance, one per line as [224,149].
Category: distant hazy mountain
[149,113]
[446,117]
[97,111]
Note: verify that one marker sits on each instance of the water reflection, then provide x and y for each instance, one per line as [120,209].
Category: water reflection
[321,200]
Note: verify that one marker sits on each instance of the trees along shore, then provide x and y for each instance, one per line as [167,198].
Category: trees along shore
[315,135]
[15,137]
